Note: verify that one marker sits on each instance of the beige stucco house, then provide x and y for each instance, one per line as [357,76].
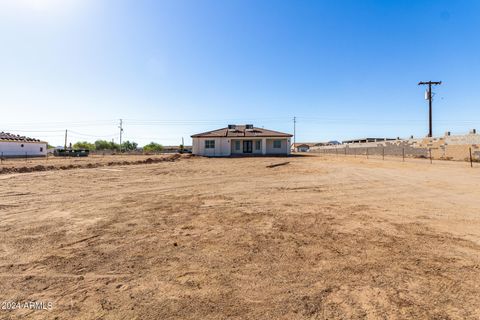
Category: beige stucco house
[245,140]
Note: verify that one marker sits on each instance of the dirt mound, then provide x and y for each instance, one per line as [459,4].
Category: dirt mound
[25,169]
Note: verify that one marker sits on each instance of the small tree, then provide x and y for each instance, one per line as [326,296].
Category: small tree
[102,145]
[106,145]
[129,146]
[153,147]
[84,145]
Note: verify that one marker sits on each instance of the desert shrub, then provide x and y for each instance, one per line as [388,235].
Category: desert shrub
[153,147]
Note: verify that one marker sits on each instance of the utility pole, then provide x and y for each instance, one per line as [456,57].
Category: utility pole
[65,145]
[429,98]
[121,132]
[294,132]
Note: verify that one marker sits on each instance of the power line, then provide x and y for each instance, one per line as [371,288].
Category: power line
[93,135]
[65,122]
[206,120]
[222,122]
[35,130]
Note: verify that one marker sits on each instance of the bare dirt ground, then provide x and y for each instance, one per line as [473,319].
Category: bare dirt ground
[12,165]
[318,238]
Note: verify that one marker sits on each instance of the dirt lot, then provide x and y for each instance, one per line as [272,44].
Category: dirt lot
[319,238]
[12,165]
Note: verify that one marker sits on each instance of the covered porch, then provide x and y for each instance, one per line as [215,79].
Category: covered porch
[259,146]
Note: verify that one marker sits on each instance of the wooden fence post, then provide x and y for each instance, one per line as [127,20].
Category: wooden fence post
[471,159]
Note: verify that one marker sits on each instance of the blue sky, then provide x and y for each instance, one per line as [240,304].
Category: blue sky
[346,69]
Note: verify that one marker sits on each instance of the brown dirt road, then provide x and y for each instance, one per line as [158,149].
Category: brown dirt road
[318,238]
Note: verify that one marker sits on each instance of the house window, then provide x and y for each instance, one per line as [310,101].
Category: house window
[21,145]
[41,149]
[258,144]
[209,144]
[277,144]
[237,145]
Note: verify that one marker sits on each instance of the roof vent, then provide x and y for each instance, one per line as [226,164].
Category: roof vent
[232,127]
[249,126]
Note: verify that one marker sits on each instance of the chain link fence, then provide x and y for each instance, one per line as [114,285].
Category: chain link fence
[405,152]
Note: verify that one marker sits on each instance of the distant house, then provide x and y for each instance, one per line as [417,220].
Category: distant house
[241,140]
[333,143]
[302,147]
[20,146]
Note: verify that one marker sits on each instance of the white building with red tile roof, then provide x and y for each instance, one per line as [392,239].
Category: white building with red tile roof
[12,145]
[245,140]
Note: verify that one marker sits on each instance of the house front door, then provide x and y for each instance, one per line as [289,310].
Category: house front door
[247,146]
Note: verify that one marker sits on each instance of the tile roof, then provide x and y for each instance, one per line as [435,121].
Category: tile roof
[5,136]
[241,131]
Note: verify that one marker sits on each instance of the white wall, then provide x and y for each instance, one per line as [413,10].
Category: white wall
[285,146]
[222,147]
[19,148]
